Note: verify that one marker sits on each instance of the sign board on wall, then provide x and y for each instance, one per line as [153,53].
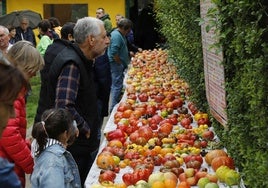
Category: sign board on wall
[213,69]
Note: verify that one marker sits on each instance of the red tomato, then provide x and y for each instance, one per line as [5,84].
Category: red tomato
[143,97]
[165,128]
[107,175]
[151,110]
[123,106]
[185,122]
[128,179]
[178,102]
[134,136]
[132,96]
[146,132]
[157,118]
[158,98]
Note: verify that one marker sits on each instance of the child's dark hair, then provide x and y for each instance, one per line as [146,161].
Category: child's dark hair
[53,123]
[44,25]
[67,28]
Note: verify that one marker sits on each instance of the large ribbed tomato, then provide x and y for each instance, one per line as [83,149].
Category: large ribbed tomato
[222,161]
[213,154]
[145,132]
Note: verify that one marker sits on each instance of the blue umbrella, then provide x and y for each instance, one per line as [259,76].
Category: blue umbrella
[14,18]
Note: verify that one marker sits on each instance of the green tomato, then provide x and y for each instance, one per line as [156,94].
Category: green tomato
[142,184]
[232,177]
[202,182]
[221,172]
[211,185]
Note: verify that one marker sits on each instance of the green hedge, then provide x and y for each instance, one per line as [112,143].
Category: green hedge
[179,26]
[243,30]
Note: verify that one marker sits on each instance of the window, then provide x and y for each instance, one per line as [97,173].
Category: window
[66,12]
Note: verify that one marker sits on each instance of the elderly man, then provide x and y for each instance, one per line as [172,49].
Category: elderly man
[71,86]
[4,39]
[24,32]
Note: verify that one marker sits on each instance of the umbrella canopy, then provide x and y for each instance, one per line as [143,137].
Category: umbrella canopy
[14,17]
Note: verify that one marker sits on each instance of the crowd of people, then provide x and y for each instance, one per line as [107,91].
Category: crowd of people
[81,67]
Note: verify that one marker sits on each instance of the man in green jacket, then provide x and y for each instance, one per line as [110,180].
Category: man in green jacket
[100,14]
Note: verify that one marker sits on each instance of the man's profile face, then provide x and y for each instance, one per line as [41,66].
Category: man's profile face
[101,43]
[4,39]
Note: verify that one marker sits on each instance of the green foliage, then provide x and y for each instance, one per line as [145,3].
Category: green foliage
[32,100]
[183,34]
[242,27]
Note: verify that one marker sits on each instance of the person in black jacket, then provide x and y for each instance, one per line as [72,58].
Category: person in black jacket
[146,34]
[71,86]
[24,32]
[51,52]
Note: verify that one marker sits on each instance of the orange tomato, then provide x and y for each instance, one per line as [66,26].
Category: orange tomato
[105,161]
[127,113]
[115,143]
[164,151]
[184,184]
[157,149]
[149,153]
[158,184]
[170,183]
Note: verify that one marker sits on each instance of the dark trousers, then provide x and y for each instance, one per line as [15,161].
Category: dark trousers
[84,163]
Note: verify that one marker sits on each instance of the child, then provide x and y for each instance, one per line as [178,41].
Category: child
[54,165]
[12,34]
[13,145]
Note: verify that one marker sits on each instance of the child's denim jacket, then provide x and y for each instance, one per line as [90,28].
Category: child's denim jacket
[55,167]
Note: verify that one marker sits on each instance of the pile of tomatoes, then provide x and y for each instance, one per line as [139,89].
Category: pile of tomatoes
[154,127]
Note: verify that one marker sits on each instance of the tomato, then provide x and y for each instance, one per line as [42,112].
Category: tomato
[130,129]
[128,179]
[154,126]
[158,160]
[134,136]
[142,110]
[123,106]
[145,132]
[118,115]
[203,121]
[151,110]
[132,96]
[143,97]
[174,120]
[165,121]
[107,175]
[165,128]
[132,155]
[204,143]
[159,98]
[127,113]
[168,157]
[193,164]
[185,122]
[178,102]
[182,110]
[172,164]
[115,134]
[157,118]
